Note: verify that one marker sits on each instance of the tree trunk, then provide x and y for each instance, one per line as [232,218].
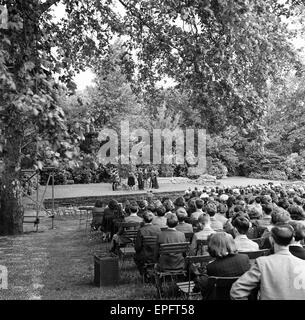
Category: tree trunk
[11,209]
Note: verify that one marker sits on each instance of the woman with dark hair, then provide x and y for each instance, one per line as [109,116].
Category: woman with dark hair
[154,179]
[228,262]
[131,180]
[111,213]
[97,215]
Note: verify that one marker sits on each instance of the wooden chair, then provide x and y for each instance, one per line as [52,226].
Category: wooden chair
[189,236]
[168,249]
[149,243]
[188,286]
[128,233]
[201,244]
[259,241]
[255,254]
[219,288]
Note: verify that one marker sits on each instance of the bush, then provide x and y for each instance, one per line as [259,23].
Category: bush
[82,175]
[216,168]
[60,177]
[295,166]
[273,174]
[166,170]
[181,170]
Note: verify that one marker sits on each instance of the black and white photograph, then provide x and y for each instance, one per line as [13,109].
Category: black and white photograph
[152,153]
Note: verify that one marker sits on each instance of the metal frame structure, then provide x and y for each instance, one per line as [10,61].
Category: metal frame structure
[39,202]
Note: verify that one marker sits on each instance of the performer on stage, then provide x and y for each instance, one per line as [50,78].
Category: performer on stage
[140,179]
[154,179]
[115,180]
[145,178]
[131,180]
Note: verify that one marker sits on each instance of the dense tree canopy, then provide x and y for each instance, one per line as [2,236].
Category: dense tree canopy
[221,54]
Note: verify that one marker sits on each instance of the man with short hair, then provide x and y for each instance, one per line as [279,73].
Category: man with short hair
[160,219]
[204,222]
[199,205]
[242,225]
[182,225]
[133,217]
[211,209]
[279,276]
[145,254]
[170,235]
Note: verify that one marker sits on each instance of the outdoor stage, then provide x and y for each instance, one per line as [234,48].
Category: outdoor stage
[87,194]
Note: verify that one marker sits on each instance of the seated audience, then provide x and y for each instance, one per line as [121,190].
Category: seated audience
[242,224]
[133,217]
[296,247]
[113,212]
[160,219]
[211,209]
[296,212]
[204,222]
[182,225]
[265,221]
[169,207]
[97,215]
[220,216]
[278,276]
[142,207]
[145,254]
[228,262]
[179,203]
[170,235]
[198,205]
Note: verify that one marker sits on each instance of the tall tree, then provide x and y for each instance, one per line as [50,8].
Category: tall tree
[28,91]
[222,51]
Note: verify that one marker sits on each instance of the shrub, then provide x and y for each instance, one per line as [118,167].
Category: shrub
[273,174]
[216,168]
[82,175]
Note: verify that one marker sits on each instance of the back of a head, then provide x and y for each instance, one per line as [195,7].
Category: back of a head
[151,207]
[143,204]
[268,208]
[279,215]
[242,224]
[211,208]
[113,204]
[160,210]
[204,219]
[191,206]
[282,234]
[299,230]
[98,204]
[221,244]
[181,214]
[296,212]
[172,220]
[258,199]
[222,208]
[168,205]
[148,217]
[283,203]
[133,207]
[251,200]
[179,202]
[199,203]
[254,213]
[297,200]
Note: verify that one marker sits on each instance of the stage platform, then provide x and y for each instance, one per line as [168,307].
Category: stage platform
[82,194]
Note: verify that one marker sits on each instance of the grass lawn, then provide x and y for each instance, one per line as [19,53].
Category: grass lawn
[58,264]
